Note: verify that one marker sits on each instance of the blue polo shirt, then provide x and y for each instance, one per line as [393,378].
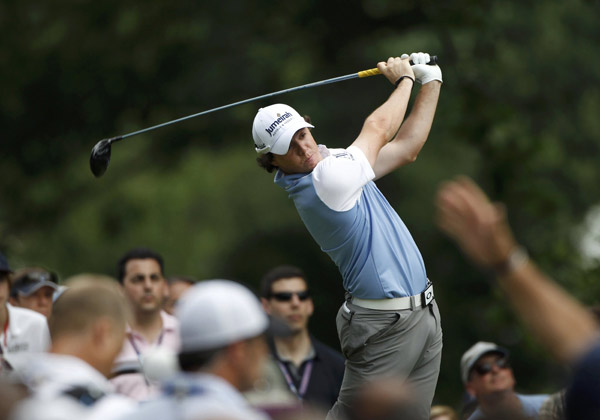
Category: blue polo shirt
[354,224]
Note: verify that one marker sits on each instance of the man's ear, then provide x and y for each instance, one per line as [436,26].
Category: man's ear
[470,390]
[101,330]
[266,305]
[311,307]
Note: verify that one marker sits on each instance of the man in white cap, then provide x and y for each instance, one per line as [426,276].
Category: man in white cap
[489,379]
[223,349]
[389,324]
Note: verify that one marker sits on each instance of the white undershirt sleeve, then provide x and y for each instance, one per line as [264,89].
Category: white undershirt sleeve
[340,177]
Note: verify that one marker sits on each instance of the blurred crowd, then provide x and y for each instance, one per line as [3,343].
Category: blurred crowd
[146,346]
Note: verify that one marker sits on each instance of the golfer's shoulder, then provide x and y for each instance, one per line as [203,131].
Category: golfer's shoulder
[342,166]
[338,179]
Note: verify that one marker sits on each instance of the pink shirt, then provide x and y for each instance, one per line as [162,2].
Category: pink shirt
[127,380]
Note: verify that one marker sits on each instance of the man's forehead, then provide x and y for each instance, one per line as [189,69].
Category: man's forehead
[289,283]
[489,357]
[142,264]
[43,289]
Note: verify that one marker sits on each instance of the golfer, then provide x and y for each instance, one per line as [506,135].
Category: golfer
[389,324]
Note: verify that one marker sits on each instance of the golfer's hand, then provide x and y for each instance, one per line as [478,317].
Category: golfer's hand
[394,68]
[424,72]
[478,226]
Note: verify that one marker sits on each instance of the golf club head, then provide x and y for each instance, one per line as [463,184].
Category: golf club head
[100,157]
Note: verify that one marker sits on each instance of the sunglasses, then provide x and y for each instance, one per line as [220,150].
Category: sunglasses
[287,296]
[485,368]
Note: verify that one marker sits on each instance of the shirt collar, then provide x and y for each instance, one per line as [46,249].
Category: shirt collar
[61,371]
[169,323]
[312,354]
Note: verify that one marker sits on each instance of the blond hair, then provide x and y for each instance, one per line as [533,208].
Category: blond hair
[87,298]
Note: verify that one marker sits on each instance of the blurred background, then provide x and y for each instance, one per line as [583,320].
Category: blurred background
[519,112]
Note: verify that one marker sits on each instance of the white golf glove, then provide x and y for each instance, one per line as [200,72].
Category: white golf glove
[424,73]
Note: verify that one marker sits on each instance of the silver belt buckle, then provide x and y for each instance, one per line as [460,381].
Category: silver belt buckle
[427,295]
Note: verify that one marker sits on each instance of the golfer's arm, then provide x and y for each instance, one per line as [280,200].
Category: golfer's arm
[559,321]
[383,123]
[413,133]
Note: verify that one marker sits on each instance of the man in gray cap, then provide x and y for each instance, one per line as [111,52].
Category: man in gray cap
[33,288]
[223,349]
[23,331]
[489,379]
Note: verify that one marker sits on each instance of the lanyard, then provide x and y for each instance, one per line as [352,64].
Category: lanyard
[139,354]
[135,348]
[303,383]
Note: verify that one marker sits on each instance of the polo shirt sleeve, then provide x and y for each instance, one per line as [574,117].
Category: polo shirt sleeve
[339,178]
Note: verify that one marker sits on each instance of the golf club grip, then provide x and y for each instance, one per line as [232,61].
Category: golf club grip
[433,60]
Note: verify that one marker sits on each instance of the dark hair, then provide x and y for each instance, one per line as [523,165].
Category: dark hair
[278,273]
[266,161]
[195,360]
[138,254]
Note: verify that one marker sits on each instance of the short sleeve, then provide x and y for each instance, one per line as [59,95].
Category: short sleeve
[340,177]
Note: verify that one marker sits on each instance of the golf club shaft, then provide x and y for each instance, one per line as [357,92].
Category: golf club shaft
[360,74]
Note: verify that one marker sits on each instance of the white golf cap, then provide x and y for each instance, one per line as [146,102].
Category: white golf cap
[215,313]
[274,127]
[471,356]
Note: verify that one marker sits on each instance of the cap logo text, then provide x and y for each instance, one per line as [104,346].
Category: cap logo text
[277,122]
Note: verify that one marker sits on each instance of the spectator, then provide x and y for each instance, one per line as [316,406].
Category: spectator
[24,331]
[177,286]
[312,370]
[488,377]
[442,412]
[33,288]
[141,274]
[565,326]
[70,382]
[222,354]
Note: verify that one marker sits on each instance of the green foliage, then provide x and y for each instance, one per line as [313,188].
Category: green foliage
[519,112]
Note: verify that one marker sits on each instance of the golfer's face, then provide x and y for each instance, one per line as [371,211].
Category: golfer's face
[303,155]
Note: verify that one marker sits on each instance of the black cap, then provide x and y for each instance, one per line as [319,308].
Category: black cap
[4,267]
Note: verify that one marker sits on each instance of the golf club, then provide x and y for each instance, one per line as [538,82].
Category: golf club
[100,156]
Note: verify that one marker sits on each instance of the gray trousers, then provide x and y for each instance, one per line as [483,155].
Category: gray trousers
[379,344]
